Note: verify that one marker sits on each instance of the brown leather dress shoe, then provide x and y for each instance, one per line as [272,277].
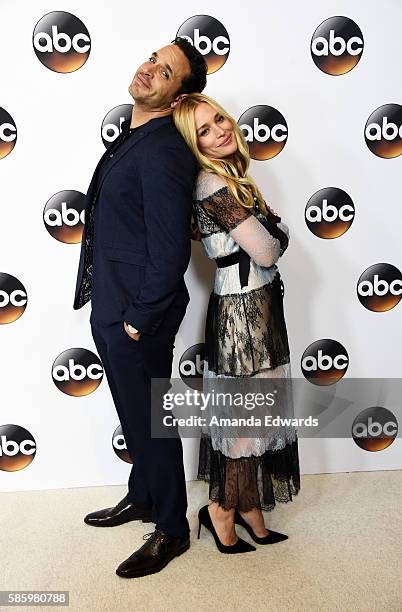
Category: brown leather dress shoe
[154,555]
[122,513]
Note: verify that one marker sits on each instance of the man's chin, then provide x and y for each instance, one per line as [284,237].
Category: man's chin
[136,93]
[135,96]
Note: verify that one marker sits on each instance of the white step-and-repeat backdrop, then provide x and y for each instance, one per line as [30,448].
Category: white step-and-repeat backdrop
[317,89]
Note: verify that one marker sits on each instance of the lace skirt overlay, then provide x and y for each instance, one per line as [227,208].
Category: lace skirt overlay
[246,337]
[250,482]
[246,332]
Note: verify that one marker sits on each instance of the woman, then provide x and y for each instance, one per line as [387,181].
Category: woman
[245,332]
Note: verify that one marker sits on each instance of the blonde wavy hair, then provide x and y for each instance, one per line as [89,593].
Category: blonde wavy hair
[234,170]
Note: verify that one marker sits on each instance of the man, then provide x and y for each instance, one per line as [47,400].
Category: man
[135,250]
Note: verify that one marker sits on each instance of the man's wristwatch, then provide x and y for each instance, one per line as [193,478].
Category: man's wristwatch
[132,329]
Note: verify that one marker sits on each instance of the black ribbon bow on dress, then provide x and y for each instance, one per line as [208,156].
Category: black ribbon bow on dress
[244,267]
[240,257]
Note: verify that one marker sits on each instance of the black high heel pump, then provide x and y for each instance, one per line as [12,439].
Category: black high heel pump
[271,538]
[204,518]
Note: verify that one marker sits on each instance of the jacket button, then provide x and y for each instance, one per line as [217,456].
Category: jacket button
[111,155]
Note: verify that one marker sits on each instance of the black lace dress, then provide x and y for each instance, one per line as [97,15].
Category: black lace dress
[245,336]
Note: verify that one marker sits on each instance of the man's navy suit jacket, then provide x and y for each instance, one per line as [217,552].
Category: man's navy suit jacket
[141,203]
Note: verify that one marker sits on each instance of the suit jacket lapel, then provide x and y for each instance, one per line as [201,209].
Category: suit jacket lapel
[133,140]
[120,152]
[98,165]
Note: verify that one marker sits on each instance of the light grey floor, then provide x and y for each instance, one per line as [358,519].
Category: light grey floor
[344,552]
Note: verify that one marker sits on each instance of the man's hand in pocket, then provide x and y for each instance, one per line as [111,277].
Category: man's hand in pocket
[135,336]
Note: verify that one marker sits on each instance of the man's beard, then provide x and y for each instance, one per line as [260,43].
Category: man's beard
[137,97]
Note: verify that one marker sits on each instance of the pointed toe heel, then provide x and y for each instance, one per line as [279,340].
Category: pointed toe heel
[272,538]
[241,546]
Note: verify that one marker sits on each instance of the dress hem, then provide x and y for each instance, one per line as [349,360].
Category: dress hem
[250,482]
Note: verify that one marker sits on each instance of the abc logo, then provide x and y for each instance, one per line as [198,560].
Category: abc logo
[337,45]
[8,133]
[379,288]
[77,372]
[265,131]
[383,131]
[329,213]
[208,35]
[17,448]
[119,445]
[64,216]
[61,42]
[324,362]
[13,298]
[112,122]
[374,428]
[191,366]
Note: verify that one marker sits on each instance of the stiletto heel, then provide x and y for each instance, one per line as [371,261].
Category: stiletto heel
[204,518]
[271,538]
[199,529]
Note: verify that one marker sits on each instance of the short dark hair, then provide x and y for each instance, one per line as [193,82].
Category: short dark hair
[197,79]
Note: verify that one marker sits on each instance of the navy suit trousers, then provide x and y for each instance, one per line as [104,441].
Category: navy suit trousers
[157,479]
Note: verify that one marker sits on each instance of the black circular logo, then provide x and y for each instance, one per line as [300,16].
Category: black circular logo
[379,288]
[191,366]
[329,213]
[8,133]
[119,445]
[64,216]
[111,124]
[61,42]
[383,131]
[324,362]
[77,372]
[374,429]
[210,37]
[265,131]
[17,448]
[337,45]
[13,298]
